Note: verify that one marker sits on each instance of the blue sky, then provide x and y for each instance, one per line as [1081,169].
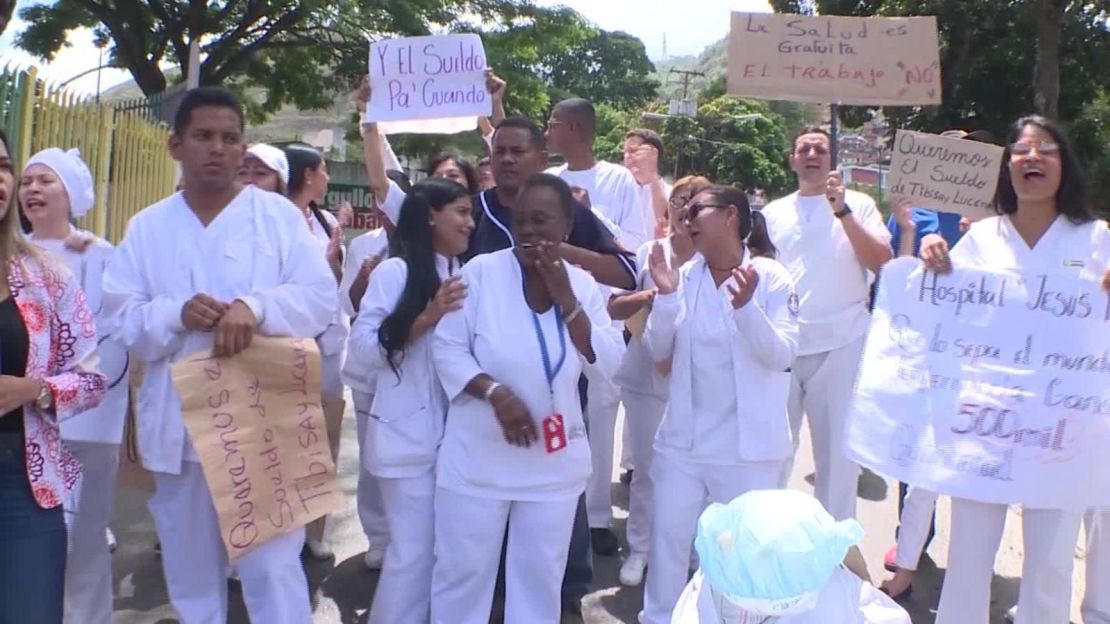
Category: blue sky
[689,26]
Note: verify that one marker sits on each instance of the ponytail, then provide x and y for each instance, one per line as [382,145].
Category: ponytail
[759,240]
[753,225]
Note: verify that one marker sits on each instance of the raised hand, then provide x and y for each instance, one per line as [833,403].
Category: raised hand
[746,280]
[664,276]
[553,271]
[834,191]
[934,253]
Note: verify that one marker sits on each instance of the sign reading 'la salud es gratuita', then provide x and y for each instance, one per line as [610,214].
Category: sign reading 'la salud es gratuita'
[988,386]
[829,59]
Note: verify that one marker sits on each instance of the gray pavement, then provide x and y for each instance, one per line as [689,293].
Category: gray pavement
[342,589]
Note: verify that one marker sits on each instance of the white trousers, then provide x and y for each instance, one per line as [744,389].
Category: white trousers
[405,584]
[88,589]
[1049,538]
[681,491]
[1096,597]
[602,404]
[371,508]
[821,389]
[195,562]
[642,414]
[469,534]
[913,526]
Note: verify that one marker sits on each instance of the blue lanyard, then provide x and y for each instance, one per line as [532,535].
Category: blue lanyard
[547,369]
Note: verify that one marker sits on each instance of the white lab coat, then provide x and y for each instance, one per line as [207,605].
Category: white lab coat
[407,416]
[1049,535]
[103,423]
[845,599]
[762,340]
[333,341]
[494,334]
[257,250]
[93,437]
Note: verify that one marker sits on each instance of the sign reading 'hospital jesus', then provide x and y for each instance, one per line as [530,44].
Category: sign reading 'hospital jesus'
[988,386]
[257,423]
[428,78]
[848,60]
[942,173]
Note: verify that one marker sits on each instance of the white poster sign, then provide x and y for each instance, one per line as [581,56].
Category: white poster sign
[988,386]
[428,78]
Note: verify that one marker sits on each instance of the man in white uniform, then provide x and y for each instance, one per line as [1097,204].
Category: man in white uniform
[203,271]
[643,151]
[611,191]
[833,241]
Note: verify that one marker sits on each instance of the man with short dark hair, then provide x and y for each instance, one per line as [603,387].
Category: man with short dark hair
[643,153]
[833,241]
[204,270]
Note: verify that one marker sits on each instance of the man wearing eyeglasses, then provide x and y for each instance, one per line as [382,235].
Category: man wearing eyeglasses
[833,241]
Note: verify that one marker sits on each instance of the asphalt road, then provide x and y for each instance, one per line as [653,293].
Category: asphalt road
[342,589]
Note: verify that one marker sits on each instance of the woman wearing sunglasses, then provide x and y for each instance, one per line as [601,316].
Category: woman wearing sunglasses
[643,384]
[1044,223]
[725,431]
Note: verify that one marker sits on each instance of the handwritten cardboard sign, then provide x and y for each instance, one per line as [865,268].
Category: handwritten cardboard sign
[258,426]
[428,78]
[946,174]
[988,386]
[849,60]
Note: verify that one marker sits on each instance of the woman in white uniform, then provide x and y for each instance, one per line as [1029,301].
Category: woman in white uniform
[391,338]
[1044,223]
[266,167]
[56,187]
[727,320]
[308,185]
[643,384]
[515,448]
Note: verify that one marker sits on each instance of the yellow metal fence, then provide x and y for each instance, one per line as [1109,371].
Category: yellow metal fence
[125,150]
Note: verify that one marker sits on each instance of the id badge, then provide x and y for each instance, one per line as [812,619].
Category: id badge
[554,433]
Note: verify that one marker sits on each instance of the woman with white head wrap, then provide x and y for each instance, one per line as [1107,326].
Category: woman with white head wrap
[266,167]
[57,187]
[776,556]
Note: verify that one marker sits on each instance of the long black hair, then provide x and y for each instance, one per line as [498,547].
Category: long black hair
[1071,197]
[413,242]
[753,226]
[467,169]
[301,158]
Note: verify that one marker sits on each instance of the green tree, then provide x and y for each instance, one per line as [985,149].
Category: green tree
[298,51]
[607,68]
[725,143]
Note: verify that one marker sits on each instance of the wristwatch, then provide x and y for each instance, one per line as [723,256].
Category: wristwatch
[840,214]
[45,400]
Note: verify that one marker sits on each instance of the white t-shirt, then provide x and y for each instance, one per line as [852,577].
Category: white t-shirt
[833,286]
[615,194]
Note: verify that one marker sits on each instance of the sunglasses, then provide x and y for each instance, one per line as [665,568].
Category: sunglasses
[1022,148]
[694,209]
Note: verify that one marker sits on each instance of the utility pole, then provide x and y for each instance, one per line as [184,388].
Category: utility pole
[686,76]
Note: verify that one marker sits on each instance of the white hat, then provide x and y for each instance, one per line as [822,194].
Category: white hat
[273,158]
[74,174]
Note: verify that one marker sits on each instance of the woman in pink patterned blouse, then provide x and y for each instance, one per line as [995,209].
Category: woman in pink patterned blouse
[47,374]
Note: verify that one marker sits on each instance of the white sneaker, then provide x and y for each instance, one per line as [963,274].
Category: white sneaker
[632,570]
[374,558]
[319,549]
[1011,614]
[233,574]
[111,537]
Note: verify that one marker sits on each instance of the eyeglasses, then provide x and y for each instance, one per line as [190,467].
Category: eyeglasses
[694,209]
[677,201]
[1045,148]
[804,150]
